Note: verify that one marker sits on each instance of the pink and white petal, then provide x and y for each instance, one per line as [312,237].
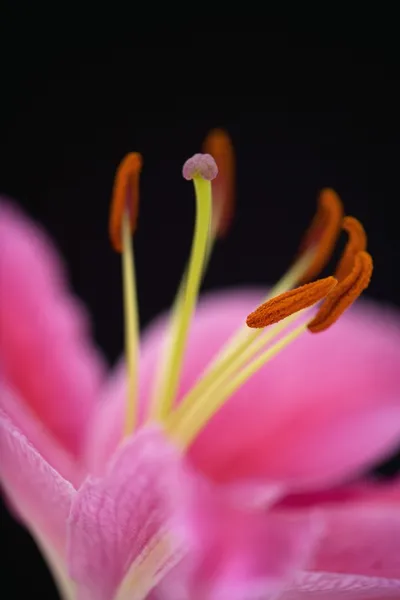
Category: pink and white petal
[40,495]
[117,521]
[317,585]
[45,352]
[320,412]
[363,539]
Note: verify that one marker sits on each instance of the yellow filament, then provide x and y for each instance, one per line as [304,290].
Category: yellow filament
[131,325]
[293,275]
[185,302]
[226,369]
[174,322]
[192,421]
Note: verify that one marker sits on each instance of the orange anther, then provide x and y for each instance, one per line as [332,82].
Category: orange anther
[344,294]
[357,242]
[323,232]
[125,197]
[286,304]
[219,145]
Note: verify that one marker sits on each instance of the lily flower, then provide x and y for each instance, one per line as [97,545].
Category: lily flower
[217,461]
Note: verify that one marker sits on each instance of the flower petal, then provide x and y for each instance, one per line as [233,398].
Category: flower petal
[255,556]
[240,554]
[334,586]
[41,496]
[368,491]
[324,409]
[40,438]
[359,552]
[44,349]
[124,518]
[360,540]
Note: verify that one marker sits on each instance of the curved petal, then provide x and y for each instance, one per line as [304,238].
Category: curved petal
[327,407]
[129,527]
[41,496]
[44,349]
[40,438]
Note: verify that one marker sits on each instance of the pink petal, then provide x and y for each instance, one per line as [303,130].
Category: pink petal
[217,551]
[334,586]
[361,540]
[323,410]
[326,407]
[45,352]
[115,519]
[239,554]
[359,552]
[40,438]
[251,555]
[41,496]
[370,491]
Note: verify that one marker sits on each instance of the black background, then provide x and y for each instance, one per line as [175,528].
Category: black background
[305,110]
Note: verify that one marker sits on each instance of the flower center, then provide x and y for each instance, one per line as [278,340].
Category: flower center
[254,344]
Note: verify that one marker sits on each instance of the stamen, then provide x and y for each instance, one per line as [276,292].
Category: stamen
[185,424]
[197,409]
[357,243]
[123,218]
[202,169]
[219,145]
[245,342]
[290,302]
[344,294]
[323,232]
[125,197]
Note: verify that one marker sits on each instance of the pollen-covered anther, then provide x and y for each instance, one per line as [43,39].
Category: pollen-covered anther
[357,242]
[125,197]
[219,145]
[286,304]
[323,232]
[200,165]
[345,293]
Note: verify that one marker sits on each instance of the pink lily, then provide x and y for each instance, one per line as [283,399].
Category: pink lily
[257,507]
